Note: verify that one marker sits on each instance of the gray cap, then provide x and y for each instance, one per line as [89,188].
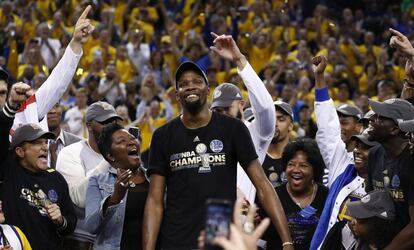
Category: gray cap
[100,112]
[189,66]
[349,110]
[395,108]
[27,133]
[367,116]
[377,203]
[285,107]
[363,137]
[4,75]
[407,126]
[225,94]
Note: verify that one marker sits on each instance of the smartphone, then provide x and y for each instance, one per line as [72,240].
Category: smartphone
[218,219]
[135,132]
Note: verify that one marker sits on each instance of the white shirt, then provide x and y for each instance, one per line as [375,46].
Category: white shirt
[36,107]
[112,95]
[77,162]
[139,56]
[47,55]
[261,129]
[335,154]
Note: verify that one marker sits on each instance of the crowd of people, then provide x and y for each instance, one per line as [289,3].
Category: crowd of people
[120,119]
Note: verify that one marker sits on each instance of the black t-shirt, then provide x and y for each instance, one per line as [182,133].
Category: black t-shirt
[198,164]
[396,176]
[134,216]
[25,194]
[273,170]
[302,222]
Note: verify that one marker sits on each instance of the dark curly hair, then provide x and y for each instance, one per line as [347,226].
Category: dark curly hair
[313,155]
[105,139]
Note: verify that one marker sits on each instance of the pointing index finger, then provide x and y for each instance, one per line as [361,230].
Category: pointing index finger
[85,13]
[397,33]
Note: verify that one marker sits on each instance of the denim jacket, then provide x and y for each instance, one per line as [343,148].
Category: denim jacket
[107,227]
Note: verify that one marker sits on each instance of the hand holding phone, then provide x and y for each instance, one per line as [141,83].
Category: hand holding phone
[218,220]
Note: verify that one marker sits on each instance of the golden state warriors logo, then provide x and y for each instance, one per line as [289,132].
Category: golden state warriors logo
[216,146]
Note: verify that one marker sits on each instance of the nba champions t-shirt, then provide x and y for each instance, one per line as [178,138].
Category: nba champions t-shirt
[198,164]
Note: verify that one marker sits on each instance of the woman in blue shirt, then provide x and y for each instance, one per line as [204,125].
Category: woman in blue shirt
[119,195]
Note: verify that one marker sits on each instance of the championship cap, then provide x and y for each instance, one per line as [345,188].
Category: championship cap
[189,66]
[363,137]
[285,107]
[100,112]
[349,110]
[395,108]
[367,116]
[225,94]
[407,126]
[377,203]
[27,133]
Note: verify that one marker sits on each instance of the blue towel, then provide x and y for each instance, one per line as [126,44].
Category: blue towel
[341,181]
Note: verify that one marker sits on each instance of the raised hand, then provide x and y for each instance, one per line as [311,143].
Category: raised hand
[83,27]
[243,236]
[18,94]
[400,42]
[319,64]
[226,47]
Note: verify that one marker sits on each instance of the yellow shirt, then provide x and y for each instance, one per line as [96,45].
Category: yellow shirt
[346,49]
[259,57]
[363,50]
[125,70]
[148,128]
[106,58]
[337,102]
[20,70]
[286,34]
[46,7]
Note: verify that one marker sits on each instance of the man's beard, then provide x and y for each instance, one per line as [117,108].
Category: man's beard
[276,139]
[239,115]
[194,107]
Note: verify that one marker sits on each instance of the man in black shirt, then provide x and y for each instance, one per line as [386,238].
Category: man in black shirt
[284,125]
[35,198]
[195,157]
[390,164]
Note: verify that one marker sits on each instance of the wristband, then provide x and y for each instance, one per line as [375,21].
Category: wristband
[287,243]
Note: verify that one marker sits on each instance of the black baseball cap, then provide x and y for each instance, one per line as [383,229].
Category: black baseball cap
[377,203]
[285,107]
[100,112]
[363,137]
[367,116]
[27,133]
[4,75]
[189,66]
[395,108]
[225,94]
[349,110]
[406,126]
